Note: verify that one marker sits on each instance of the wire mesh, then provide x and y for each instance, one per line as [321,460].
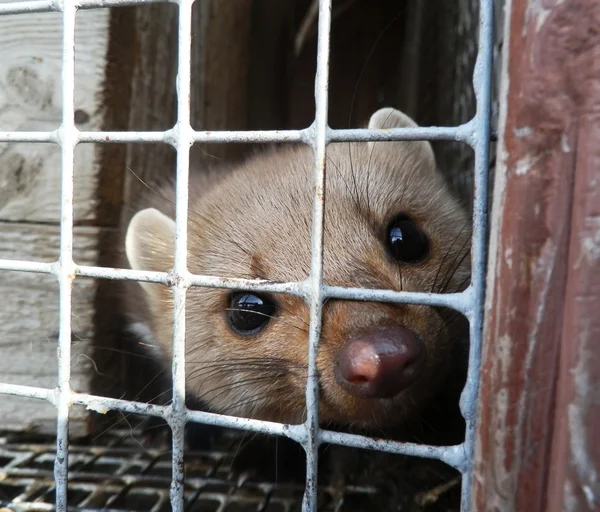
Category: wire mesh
[476,133]
[112,472]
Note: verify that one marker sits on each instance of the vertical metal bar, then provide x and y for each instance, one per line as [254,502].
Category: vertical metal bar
[319,144]
[482,83]
[183,141]
[66,266]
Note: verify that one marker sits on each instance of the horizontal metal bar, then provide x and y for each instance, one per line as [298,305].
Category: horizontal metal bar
[461,302]
[451,455]
[228,283]
[103,404]
[28,391]
[297,288]
[264,136]
[264,427]
[56,5]
[143,137]
[29,6]
[124,274]
[213,137]
[28,266]
[43,137]
[463,133]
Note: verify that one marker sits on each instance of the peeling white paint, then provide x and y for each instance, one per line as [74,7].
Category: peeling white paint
[504,356]
[523,132]
[504,480]
[537,8]
[508,257]
[592,498]
[98,407]
[525,164]
[569,500]
[590,245]
[564,143]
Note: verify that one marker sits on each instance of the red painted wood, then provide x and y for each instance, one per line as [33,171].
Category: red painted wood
[537,446]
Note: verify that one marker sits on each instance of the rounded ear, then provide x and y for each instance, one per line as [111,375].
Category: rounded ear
[390,118]
[386,118]
[150,243]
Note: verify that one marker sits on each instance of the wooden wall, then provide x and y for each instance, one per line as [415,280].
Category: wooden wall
[539,413]
[30,99]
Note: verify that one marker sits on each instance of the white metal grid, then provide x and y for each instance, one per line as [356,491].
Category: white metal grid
[470,302]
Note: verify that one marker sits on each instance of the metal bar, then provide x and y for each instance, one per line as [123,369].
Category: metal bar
[319,142]
[463,133]
[452,455]
[56,5]
[458,301]
[183,142]
[29,6]
[46,137]
[123,274]
[103,404]
[28,266]
[66,266]
[482,84]
[27,391]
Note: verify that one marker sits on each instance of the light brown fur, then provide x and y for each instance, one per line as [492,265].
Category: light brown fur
[256,222]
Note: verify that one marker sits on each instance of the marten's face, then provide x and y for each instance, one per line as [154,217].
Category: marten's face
[390,223]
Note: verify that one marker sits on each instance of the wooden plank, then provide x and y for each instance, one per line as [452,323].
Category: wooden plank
[29,321]
[537,444]
[30,99]
[30,186]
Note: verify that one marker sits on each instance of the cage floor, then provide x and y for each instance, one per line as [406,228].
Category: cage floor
[113,472]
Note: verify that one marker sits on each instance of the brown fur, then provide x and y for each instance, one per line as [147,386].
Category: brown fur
[256,222]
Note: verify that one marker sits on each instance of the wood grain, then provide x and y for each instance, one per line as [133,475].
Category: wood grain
[29,321]
[30,188]
[537,447]
[30,99]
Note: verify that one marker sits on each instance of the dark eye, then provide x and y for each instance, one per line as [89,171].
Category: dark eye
[406,242]
[249,313]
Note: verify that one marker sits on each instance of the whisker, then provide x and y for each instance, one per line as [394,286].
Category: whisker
[447,253]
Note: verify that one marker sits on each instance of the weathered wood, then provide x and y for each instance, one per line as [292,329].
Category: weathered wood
[30,99]
[220,63]
[30,187]
[29,321]
[537,444]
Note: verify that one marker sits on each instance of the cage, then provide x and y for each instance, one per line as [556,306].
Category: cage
[59,465]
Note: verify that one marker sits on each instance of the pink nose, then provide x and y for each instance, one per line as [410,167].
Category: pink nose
[380,362]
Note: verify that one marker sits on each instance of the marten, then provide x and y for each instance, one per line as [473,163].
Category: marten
[391,222]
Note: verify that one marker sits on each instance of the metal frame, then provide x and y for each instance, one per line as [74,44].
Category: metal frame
[476,133]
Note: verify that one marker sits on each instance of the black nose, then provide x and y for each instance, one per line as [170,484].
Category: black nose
[380,362]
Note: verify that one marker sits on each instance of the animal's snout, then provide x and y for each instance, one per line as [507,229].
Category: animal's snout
[379,362]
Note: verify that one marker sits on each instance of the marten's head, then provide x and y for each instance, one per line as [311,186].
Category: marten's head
[390,223]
